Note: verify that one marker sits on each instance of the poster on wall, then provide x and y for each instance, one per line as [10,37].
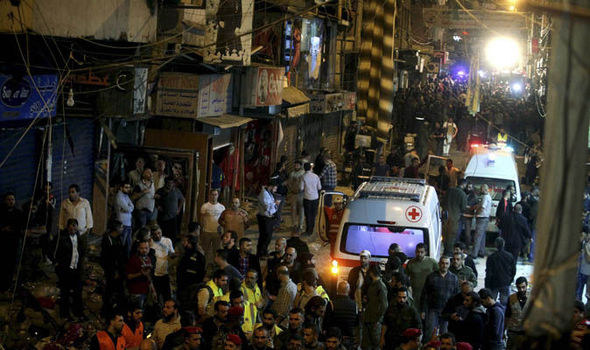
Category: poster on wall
[178,95]
[264,86]
[228,37]
[214,94]
[26,98]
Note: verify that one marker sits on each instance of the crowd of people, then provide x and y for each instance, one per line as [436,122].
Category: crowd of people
[208,287]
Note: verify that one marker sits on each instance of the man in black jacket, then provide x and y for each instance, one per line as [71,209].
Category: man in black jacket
[471,329]
[112,260]
[494,328]
[69,257]
[500,271]
[456,306]
[515,231]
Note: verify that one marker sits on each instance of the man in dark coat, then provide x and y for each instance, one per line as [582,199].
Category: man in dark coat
[471,329]
[112,260]
[516,232]
[500,271]
[455,202]
[504,209]
[69,257]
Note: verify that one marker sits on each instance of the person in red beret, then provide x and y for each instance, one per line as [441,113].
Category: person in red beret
[411,339]
[232,342]
[463,346]
[192,339]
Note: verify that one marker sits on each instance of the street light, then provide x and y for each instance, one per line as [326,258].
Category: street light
[503,53]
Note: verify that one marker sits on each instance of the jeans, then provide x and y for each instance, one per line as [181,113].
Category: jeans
[126,239]
[296,203]
[143,216]
[310,207]
[328,197]
[504,294]
[434,320]
[479,240]
[582,281]
[466,223]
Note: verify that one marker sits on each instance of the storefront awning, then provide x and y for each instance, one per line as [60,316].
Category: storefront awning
[225,121]
[294,96]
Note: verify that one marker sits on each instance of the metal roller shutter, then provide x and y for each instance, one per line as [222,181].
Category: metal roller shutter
[312,134]
[76,167]
[18,173]
[289,145]
[331,132]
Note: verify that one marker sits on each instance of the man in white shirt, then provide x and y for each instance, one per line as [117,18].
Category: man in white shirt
[164,250]
[76,207]
[267,208]
[311,186]
[210,235]
[451,131]
[123,211]
[481,223]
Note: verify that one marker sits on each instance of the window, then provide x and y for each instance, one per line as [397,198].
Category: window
[378,238]
[497,186]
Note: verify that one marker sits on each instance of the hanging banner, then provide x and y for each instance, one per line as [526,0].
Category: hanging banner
[139,90]
[226,40]
[20,99]
[263,86]
[214,95]
[178,95]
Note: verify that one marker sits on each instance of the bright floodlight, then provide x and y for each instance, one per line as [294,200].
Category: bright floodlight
[503,53]
[516,87]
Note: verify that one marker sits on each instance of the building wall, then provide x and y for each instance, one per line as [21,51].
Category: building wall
[128,20]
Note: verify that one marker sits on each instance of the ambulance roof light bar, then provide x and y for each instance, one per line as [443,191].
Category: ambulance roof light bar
[393,188]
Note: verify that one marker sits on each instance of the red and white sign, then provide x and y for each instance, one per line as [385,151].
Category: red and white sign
[413,214]
[263,86]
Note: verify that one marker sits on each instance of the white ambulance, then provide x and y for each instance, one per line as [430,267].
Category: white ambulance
[496,167]
[384,211]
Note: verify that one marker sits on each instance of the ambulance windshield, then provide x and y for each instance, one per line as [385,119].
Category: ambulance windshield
[378,238]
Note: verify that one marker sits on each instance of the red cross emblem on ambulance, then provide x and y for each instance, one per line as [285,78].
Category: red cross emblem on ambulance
[413,214]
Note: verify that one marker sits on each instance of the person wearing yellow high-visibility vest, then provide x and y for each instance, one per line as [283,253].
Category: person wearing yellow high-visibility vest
[251,290]
[502,136]
[250,311]
[211,293]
